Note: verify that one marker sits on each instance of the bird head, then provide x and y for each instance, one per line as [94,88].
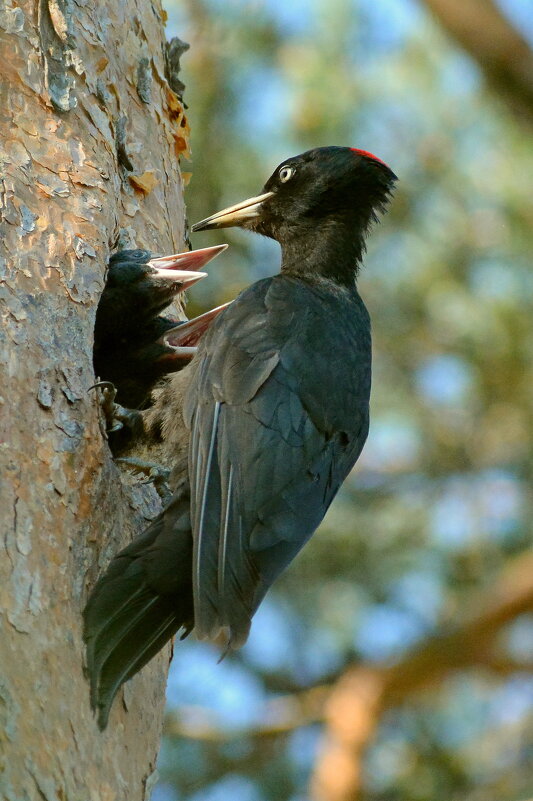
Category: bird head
[316,185]
[317,205]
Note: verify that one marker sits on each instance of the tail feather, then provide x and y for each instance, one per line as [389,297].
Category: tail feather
[110,630]
[140,602]
[133,652]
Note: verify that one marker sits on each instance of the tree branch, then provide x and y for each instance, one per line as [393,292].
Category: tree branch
[279,715]
[504,56]
[352,707]
[363,692]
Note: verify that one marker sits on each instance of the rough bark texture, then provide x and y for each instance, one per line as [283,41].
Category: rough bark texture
[90,135]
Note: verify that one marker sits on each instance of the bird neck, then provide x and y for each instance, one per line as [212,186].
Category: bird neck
[330,250]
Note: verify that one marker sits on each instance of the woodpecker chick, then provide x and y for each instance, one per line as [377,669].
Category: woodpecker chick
[129,349]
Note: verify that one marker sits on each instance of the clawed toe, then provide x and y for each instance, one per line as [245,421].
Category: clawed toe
[116,416]
[155,474]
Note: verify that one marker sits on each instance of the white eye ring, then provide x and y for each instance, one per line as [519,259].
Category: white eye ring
[285,174]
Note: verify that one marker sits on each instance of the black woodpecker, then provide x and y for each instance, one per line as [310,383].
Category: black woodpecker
[276,405]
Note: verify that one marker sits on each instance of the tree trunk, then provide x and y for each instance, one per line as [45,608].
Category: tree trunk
[90,135]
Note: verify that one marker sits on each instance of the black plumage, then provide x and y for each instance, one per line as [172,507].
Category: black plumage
[277,407]
[130,350]
[274,433]
[155,586]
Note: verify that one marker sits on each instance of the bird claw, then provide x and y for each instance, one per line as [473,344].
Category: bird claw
[116,416]
[155,474]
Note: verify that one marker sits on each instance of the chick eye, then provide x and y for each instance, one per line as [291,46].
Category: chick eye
[285,174]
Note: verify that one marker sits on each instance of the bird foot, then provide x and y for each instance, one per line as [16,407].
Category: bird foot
[155,474]
[116,416]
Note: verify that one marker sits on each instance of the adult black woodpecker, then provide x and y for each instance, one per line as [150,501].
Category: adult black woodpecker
[276,402]
[130,345]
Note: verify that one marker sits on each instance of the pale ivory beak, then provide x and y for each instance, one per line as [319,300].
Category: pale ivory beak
[234,215]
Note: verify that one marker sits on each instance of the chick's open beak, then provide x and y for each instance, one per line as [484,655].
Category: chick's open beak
[184,338]
[190,260]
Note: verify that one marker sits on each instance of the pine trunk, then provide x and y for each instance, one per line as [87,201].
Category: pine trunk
[90,137]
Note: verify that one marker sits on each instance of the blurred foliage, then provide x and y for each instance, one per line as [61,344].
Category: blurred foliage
[441,498]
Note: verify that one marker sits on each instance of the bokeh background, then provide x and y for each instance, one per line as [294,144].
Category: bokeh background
[393,661]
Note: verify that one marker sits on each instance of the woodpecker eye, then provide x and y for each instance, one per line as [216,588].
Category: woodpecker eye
[285,174]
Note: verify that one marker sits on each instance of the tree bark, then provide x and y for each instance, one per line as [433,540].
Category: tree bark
[90,136]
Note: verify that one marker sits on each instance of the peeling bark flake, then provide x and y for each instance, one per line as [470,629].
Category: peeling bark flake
[145,182]
[144,80]
[56,47]
[173,53]
[120,135]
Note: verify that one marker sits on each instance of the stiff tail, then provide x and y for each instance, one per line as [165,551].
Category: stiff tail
[140,602]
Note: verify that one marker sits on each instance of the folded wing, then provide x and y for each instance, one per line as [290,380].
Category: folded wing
[268,451]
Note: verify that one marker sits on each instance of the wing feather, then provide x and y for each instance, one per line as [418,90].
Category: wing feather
[205,550]
[276,427]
